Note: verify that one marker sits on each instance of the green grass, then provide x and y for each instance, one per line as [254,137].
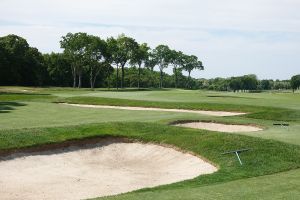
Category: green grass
[28,117]
[257,112]
[265,157]
[279,186]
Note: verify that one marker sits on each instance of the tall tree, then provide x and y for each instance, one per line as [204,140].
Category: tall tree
[139,57]
[191,63]
[96,57]
[74,46]
[295,82]
[122,50]
[176,59]
[20,64]
[162,57]
[150,63]
[249,82]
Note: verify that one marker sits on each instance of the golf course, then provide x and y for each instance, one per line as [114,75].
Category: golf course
[38,124]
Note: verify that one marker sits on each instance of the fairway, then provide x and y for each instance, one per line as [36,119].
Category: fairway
[36,118]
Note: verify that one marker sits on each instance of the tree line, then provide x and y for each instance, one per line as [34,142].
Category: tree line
[89,60]
[249,83]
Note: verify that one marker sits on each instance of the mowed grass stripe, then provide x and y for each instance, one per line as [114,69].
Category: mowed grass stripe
[256,112]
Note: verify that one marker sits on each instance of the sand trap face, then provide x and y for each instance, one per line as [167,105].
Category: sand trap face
[212,113]
[100,170]
[220,127]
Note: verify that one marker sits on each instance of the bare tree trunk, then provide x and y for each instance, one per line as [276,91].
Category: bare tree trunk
[161,79]
[79,80]
[139,76]
[123,73]
[117,85]
[91,79]
[74,76]
[175,74]
[188,82]
[74,80]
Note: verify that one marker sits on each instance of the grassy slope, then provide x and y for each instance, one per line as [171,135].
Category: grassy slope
[266,156]
[283,185]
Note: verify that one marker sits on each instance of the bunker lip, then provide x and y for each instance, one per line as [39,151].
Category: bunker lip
[203,112]
[217,126]
[80,143]
[95,168]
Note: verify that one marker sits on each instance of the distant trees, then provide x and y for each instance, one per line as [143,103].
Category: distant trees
[235,83]
[20,64]
[58,66]
[295,82]
[249,82]
[122,49]
[162,56]
[74,46]
[177,60]
[139,57]
[191,63]
[87,61]
[87,53]
[266,84]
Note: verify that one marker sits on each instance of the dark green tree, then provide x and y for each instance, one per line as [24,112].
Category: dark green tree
[191,63]
[122,49]
[295,82]
[20,64]
[74,46]
[177,60]
[139,57]
[161,55]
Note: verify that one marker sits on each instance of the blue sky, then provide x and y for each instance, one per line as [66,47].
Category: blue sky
[231,37]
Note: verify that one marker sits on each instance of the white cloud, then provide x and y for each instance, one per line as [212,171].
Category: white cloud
[232,37]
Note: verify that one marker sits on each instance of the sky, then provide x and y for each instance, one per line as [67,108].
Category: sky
[230,37]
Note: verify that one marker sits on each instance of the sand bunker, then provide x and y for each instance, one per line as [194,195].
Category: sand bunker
[220,127]
[212,113]
[106,168]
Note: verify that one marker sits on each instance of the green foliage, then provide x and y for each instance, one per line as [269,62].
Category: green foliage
[123,50]
[295,82]
[20,64]
[59,69]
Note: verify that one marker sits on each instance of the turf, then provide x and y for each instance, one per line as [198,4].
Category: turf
[257,112]
[265,157]
[30,117]
[271,187]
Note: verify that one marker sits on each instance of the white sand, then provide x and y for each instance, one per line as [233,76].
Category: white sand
[220,127]
[100,170]
[212,113]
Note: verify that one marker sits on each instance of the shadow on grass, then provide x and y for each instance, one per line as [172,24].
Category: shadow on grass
[25,94]
[6,107]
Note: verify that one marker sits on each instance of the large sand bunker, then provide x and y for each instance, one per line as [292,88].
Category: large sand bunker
[203,112]
[229,128]
[105,168]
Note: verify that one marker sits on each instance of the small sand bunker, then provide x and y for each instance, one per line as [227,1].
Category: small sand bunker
[103,169]
[203,112]
[229,128]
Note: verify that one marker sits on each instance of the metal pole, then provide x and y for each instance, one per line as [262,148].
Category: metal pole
[237,155]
